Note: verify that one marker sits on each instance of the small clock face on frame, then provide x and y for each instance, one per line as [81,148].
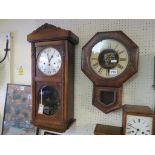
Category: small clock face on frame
[109,58]
[138,125]
[49,61]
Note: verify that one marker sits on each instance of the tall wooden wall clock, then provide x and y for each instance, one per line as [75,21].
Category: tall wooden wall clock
[108,60]
[52,77]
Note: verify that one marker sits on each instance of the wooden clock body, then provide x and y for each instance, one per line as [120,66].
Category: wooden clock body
[107,91]
[138,113]
[62,82]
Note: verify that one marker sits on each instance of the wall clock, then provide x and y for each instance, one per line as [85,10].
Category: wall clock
[108,60]
[52,77]
[138,120]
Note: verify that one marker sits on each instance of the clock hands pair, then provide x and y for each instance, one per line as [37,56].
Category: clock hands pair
[134,128]
[49,59]
[137,130]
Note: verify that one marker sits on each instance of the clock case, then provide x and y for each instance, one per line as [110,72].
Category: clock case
[107,93]
[137,110]
[64,41]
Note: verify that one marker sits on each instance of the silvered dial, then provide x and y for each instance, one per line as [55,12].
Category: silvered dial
[49,61]
[138,125]
[109,58]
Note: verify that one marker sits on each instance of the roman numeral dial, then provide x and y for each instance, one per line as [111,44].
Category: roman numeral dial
[109,58]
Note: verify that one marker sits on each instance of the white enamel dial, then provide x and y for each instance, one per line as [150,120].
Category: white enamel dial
[138,125]
[109,58]
[49,61]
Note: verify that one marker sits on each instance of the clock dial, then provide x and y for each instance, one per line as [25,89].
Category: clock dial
[109,58]
[138,125]
[49,61]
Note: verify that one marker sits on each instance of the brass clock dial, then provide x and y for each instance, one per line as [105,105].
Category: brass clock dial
[49,61]
[109,58]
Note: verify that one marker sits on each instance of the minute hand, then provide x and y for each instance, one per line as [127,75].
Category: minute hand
[50,58]
[132,127]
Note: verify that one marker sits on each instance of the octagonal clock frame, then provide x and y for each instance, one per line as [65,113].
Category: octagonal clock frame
[107,90]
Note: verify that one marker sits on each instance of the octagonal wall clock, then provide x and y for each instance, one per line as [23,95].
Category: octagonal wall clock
[108,60]
[52,77]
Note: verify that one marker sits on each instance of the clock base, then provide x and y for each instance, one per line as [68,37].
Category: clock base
[107,99]
[107,130]
[56,128]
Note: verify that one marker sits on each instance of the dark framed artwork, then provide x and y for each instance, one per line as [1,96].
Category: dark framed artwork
[17,111]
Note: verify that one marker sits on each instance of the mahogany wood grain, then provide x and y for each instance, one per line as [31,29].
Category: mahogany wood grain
[114,84]
[107,130]
[64,41]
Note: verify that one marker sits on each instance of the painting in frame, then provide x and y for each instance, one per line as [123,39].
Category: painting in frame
[17,111]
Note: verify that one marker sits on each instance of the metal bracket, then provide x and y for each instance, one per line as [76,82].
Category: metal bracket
[6,50]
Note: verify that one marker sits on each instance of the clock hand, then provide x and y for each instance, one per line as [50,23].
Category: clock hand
[132,127]
[136,133]
[51,57]
[137,130]
[48,58]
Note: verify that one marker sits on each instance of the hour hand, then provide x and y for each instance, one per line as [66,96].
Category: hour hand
[48,58]
[132,127]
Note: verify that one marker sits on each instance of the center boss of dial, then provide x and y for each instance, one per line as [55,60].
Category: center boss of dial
[108,58]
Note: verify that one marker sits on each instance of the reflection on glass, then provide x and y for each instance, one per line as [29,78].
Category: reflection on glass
[49,97]
[107,97]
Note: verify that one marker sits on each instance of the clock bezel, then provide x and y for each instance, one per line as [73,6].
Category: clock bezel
[39,55]
[138,116]
[115,77]
[59,46]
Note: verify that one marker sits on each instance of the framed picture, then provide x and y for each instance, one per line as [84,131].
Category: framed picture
[50,133]
[42,132]
[17,111]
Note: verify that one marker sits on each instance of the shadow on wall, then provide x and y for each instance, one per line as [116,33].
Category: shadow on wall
[1,119]
[3,84]
[2,70]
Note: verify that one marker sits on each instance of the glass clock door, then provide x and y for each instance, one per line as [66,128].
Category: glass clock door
[48,96]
